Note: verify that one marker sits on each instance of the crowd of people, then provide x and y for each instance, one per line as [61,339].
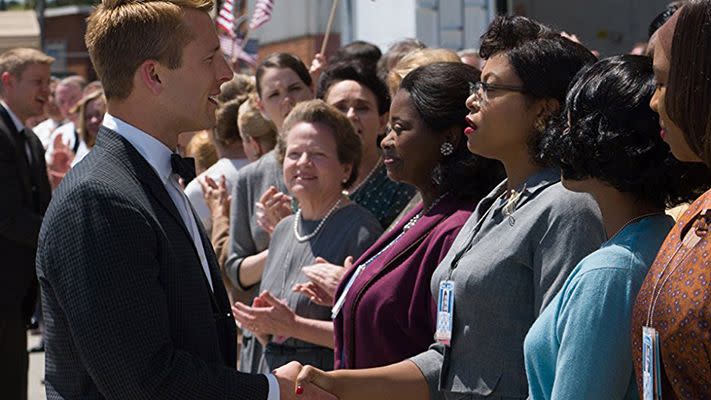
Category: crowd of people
[527,221]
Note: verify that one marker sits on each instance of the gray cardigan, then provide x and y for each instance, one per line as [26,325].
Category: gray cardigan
[247,238]
[512,269]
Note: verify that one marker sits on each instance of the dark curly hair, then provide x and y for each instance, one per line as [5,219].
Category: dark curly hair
[613,135]
[439,92]
[544,61]
[364,74]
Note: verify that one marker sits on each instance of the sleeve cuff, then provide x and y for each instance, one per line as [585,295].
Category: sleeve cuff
[430,364]
[273,387]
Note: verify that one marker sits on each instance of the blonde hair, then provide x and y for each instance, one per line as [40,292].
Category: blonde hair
[14,61]
[80,109]
[122,34]
[202,150]
[252,124]
[415,59]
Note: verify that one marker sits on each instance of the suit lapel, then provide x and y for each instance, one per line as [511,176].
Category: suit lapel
[6,125]
[122,150]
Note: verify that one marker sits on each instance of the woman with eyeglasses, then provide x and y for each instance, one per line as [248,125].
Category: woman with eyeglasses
[515,251]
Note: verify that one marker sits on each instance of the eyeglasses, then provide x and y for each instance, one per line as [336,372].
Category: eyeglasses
[480,90]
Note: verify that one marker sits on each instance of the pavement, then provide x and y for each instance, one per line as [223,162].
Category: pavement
[35,388]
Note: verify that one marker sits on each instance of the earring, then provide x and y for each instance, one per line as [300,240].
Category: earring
[446,149]
[539,125]
[437,175]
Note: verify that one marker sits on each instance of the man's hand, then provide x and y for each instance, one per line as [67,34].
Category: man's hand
[289,390]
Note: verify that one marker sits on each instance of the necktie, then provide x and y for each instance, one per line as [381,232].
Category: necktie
[183,167]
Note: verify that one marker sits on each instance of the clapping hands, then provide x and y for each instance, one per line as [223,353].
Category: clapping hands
[267,316]
[324,280]
[271,208]
[60,161]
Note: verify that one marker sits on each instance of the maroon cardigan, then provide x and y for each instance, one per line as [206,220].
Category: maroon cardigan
[389,313]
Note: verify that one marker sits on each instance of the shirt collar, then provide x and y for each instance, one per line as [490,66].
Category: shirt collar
[18,124]
[155,152]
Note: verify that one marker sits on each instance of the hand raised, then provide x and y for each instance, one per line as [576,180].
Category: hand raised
[272,207]
[216,195]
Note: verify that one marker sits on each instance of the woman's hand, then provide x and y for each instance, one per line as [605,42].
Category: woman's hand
[324,280]
[271,208]
[60,161]
[318,64]
[216,196]
[266,316]
[286,376]
[311,376]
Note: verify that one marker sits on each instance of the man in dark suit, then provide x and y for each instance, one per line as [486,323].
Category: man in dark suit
[24,88]
[133,303]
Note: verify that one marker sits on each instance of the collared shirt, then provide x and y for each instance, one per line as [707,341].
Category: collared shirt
[158,157]
[19,126]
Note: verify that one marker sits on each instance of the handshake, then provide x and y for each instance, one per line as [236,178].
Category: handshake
[303,382]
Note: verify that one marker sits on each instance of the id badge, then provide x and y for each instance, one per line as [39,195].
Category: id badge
[651,378]
[445,312]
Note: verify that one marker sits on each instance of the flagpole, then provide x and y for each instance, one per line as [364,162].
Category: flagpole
[328,27]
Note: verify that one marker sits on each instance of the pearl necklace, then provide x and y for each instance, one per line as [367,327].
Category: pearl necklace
[367,177]
[297,218]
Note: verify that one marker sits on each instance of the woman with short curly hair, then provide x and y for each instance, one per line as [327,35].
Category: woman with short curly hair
[579,346]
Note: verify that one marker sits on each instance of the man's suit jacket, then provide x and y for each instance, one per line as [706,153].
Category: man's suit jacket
[128,310]
[25,196]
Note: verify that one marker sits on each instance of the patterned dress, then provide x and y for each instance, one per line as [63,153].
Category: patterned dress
[677,289]
[383,197]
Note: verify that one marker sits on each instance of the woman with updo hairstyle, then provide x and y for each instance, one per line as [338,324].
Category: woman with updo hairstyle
[579,346]
[518,246]
[674,304]
[259,135]
[321,153]
[387,291]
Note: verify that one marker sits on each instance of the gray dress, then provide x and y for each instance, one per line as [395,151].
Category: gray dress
[349,231]
[510,267]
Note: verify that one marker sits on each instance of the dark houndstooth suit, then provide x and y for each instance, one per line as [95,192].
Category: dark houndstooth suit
[129,313]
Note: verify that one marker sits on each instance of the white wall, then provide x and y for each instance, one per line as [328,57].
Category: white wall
[295,18]
[609,26]
[383,22]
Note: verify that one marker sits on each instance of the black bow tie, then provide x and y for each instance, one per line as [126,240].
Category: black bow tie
[184,167]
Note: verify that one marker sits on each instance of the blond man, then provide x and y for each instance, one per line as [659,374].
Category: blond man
[134,303]
[24,90]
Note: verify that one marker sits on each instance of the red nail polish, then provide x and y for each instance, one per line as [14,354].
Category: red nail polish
[299,390]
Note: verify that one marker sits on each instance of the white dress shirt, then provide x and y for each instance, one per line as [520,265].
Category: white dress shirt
[158,156]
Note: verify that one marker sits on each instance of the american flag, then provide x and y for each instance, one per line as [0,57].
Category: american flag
[231,47]
[262,13]
[226,18]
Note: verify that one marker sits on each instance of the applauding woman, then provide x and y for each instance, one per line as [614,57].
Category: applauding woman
[321,153]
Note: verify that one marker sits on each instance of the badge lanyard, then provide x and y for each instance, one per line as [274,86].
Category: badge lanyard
[445,298]
[651,360]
